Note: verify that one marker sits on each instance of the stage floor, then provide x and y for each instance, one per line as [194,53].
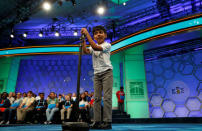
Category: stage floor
[115,127]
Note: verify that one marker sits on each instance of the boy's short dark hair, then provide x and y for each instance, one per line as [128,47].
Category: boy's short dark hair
[41,93]
[96,28]
[30,92]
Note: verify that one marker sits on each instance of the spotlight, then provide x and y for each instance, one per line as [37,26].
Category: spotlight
[73,2]
[41,34]
[124,3]
[57,34]
[25,35]
[100,10]
[46,6]
[12,35]
[75,33]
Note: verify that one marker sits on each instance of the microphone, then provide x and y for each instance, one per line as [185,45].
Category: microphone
[82,37]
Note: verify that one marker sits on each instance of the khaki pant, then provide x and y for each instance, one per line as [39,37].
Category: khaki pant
[21,113]
[103,81]
[69,110]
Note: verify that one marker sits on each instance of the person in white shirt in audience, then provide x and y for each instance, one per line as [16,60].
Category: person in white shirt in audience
[11,98]
[26,106]
[83,106]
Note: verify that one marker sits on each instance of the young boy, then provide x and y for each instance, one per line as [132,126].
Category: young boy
[103,76]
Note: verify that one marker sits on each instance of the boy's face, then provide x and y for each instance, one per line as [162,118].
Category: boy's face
[29,94]
[41,96]
[52,95]
[99,36]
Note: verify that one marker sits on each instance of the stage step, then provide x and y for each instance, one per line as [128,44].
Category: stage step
[120,116]
[117,112]
[121,120]
[117,117]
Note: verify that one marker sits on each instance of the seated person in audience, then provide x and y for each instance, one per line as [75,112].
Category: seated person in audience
[38,97]
[11,98]
[26,106]
[4,103]
[52,108]
[83,106]
[66,107]
[87,96]
[10,113]
[24,95]
[69,94]
[60,100]
[48,97]
[73,98]
[40,108]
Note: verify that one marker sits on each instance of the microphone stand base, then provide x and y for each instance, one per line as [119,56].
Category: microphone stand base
[75,126]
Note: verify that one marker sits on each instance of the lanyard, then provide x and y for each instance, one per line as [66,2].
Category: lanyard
[40,102]
[54,100]
[2,102]
[68,102]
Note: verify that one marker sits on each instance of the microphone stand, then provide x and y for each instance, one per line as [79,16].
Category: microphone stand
[75,126]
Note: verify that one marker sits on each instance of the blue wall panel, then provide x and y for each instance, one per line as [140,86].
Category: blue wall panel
[56,73]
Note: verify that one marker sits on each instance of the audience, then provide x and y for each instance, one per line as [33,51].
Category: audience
[38,97]
[66,107]
[10,112]
[26,106]
[73,98]
[83,106]
[38,109]
[11,98]
[4,103]
[24,95]
[52,107]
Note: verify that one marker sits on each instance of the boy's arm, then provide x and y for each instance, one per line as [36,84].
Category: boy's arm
[90,40]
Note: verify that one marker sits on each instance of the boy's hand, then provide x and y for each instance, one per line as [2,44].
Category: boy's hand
[84,31]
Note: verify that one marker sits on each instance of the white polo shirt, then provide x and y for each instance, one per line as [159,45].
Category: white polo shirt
[101,59]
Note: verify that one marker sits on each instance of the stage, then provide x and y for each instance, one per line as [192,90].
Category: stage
[115,127]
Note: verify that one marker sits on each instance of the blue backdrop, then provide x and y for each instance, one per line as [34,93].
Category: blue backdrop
[175,85]
[56,73]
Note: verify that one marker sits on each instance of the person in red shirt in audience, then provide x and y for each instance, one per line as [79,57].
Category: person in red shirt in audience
[121,97]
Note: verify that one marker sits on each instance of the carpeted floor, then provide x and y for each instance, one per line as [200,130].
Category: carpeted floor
[115,127]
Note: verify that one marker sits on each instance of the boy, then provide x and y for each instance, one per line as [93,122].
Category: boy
[52,107]
[103,76]
[40,108]
[120,96]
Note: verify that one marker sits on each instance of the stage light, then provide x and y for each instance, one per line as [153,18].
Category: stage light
[46,6]
[12,35]
[73,2]
[24,35]
[124,3]
[57,34]
[41,34]
[101,10]
[75,33]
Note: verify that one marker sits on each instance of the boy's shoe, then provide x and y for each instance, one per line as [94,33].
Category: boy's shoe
[106,125]
[95,125]
[8,122]
[46,122]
